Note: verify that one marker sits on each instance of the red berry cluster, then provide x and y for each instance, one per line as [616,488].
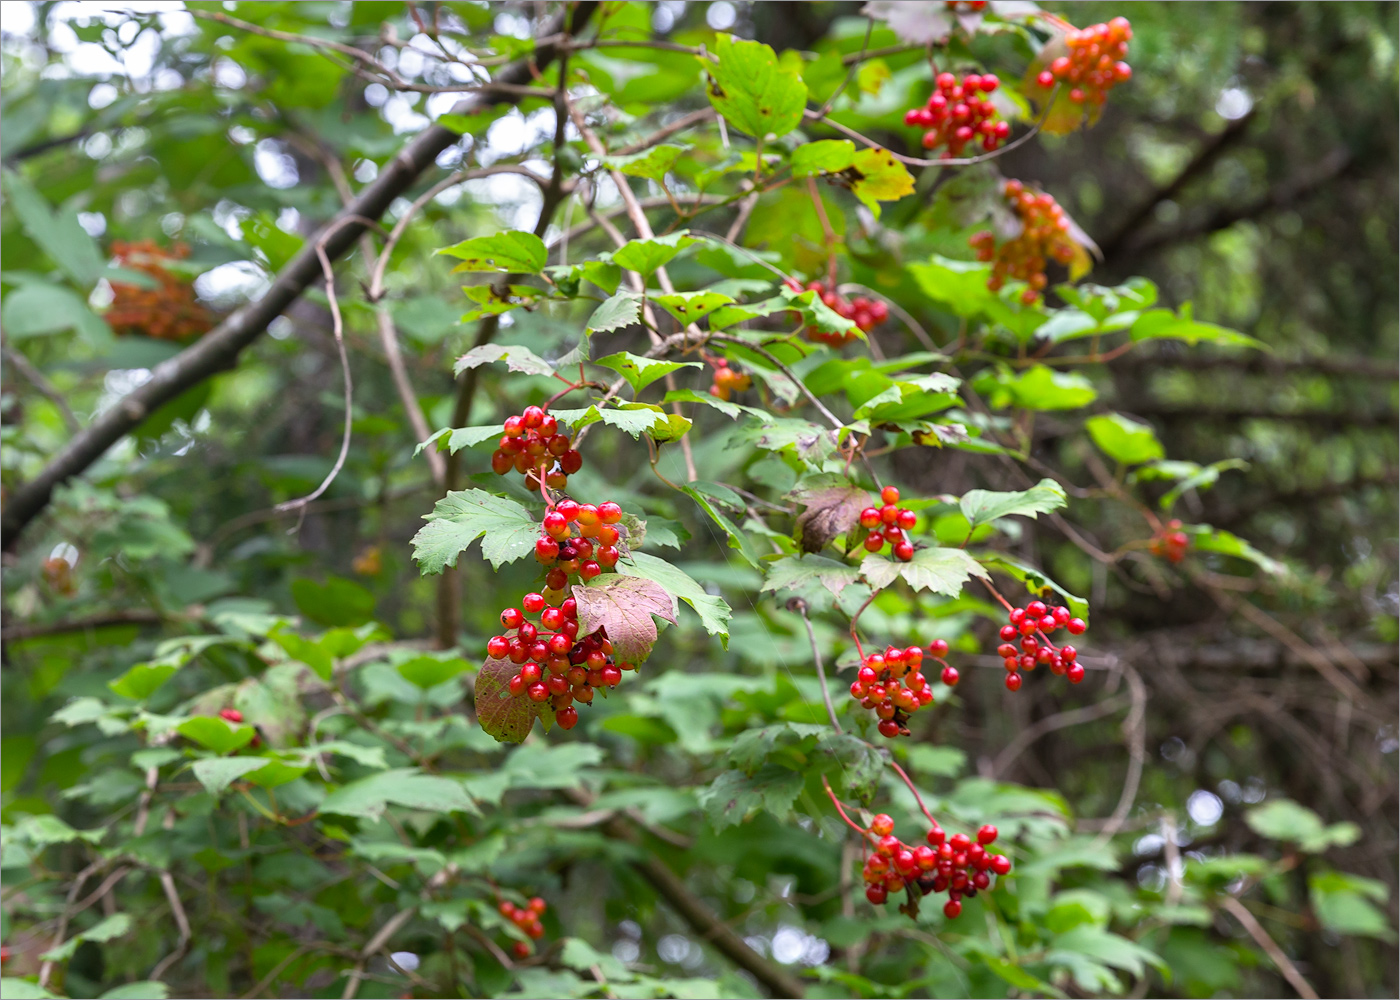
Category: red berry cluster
[955,115]
[965,6]
[556,664]
[527,918]
[588,553]
[891,684]
[1171,542]
[1094,65]
[728,380]
[167,312]
[889,523]
[865,313]
[1022,647]
[1044,233]
[533,446]
[957,865]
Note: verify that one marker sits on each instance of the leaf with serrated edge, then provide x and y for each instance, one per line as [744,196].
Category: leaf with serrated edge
[641,372]
[714,612]
[506,718]
[752,89]
[731,410]
[462,517]
[517,359]
[940,570]
[687,307]
[984,506]
[833,508]
[622,310]
[624,605]
[791,572]
[507,251]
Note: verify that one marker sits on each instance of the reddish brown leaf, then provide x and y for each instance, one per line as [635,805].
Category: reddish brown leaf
[507,719]
[831,511]
[624,605]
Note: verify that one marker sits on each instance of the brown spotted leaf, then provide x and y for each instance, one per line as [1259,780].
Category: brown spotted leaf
[506,718]
[624,605]
[833,507]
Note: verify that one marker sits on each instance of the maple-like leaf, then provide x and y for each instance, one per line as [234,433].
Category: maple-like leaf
[833,507]
[624,605]
[507,718]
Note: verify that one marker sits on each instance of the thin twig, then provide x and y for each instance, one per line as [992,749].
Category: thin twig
[800,606]
[45,388]
[1135,735]
[1060,720]
[1236,909]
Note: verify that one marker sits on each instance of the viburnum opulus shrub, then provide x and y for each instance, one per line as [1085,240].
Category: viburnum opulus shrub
[702,412]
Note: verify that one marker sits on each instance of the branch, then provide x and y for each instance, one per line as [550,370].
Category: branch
[1060,720]
[134,616]
[1236,909]
[219,349]
[45,388]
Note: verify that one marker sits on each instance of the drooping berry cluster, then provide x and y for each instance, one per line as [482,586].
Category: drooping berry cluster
[1171,542]
[556,664]
[1095,64]
[728,380]
[956,115]
[889,523]
[865,313]
[168,311]
[587,553]
[957,865]
[1044,233]
[1025,643]
[527,919]
[534,446]
[892,685]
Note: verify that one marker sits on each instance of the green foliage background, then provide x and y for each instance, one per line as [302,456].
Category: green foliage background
[680,835]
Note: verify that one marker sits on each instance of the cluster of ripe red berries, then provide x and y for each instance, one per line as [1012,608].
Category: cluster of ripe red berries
[728,380]
[892,685]
[1171,542]
[865,313]
[167,312]
[527,918]
[588,553]
[1022,648]
[1094,65]
[533,446]
[889,523]
[957,865]
[556,664]
[1044,233]
[955,115]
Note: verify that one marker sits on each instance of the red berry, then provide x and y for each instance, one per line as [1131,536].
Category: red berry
[1013,682]
[874,542]
[497,647]
[986,835]
[876,894]
[870,517]
[566,717]
[1000,864]
[950,676]
[546,550]
[609,512]
[890,495]
[1076,626]
[532,417]
[939,648]
[570,462]
[1017,615]
[952,908]
[533,603]
[889,728]
[904,551]
[1068,653]
[1009,632]
[512,618]
[231,714]
[537,691]
[906,519]
[1075,672]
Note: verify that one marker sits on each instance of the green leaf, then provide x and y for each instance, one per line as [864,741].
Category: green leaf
[940,570]
[1042,388]
[1343,904]
[622,310]
[430,671]
[1019,977]
[713,611]
[408,787]
[645,256]
[517,359]
[1208,539]
[687,307]
[650,163]
[142,680]
[826,156]
[1124,439]
[625,606]
[797,572]
[461,437]
[336,602]
[112,927]
[23,989]
[145,989]
[217,773]
[462,517]
[731,410]
[634,418]
[510,251]
[1286,820]
[737,539]
[878,177]
[218,735]
[1111,949]
[1037,583]
[985,506]
[641,372]
[1163,324]
[37,308]
[58,233]
[492,302]
[753,91]
[734,795]
[303,649]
